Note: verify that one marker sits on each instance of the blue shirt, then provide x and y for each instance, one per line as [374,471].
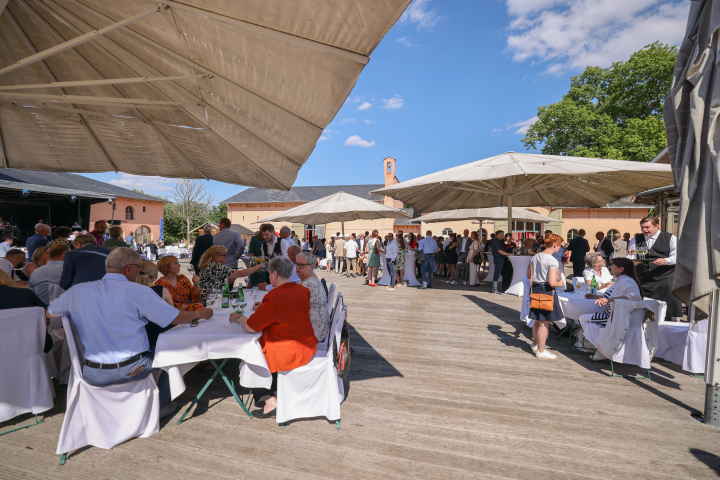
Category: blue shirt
[234,244]
[4,248]
[559,255]
[43,277]
[110,316]
[428,246]
[34,242]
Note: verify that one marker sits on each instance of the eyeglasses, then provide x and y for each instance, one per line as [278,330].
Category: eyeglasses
[136,265]
[301,264]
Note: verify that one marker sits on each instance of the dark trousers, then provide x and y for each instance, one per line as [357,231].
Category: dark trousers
[498,263]
[264,392]
[578,268]
[507,274]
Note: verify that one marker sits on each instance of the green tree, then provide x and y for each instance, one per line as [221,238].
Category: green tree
[613,112]
[216,213]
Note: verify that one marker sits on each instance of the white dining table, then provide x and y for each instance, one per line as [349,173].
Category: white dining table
[409,274]
[575,304]
[520,266]
[181,348]
[491,270]
[385,279]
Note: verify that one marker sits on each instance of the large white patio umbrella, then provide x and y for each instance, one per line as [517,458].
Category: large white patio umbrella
[494,213]
[235,91]
[526,180]
[338,207]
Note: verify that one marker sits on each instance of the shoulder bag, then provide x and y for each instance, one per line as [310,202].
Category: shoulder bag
[540,301]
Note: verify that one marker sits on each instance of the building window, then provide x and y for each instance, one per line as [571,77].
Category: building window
[446,231]
[389,167]
[483,234]
[572,233]
[611,232]
[129,213]
[143,235]
[143,209]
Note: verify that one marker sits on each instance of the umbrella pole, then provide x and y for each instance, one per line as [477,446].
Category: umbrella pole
[712,370]
[342,228]
[510,220]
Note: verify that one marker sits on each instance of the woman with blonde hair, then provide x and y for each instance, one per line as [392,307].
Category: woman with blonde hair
[544,272]
[147,276]
[40,257]
[214,272]
[185,294]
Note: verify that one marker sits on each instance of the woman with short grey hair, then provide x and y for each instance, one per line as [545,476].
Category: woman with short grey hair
[596,268]
[319,315]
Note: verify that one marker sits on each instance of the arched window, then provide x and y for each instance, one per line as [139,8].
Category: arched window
[447,231]
[129,213]
[572,233]
[389,167]
[143,234]
[483,233]
[611,232]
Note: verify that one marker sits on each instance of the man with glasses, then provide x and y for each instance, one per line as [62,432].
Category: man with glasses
[292,252]
[110,316]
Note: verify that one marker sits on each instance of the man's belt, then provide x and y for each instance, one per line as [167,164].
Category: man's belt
[110,366]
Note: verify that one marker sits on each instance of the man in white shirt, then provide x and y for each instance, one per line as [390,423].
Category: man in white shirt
[656,276]
[49,274]
[293,250]
[391,251]
[285,240]
[6,246]
[428,246]
[351,249]
[110,316]
[463,247]
[14,258]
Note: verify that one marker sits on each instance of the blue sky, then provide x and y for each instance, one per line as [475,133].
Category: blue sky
[454,82]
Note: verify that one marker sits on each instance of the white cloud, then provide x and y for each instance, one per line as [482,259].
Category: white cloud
[364,106]
[328,134]
[346,120]
[522,127]
[419,13]
[572,34]
[393,103]
[150,185]
[496,131]
[404,41]
[369,122]
[356,141]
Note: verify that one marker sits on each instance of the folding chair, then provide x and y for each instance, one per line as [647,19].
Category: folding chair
[331,296]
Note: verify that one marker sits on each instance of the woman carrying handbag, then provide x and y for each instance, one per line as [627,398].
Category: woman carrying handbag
[544,275]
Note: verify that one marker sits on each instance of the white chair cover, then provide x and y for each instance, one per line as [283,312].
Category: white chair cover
[696,347]
[25,384]
[628,338]
[334,315]
[672,338]
[313,390]
[331,297]
[105,416]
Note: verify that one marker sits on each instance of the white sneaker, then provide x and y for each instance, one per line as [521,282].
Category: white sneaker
[545,354]
[424,285]
[453,282]
[534,348]
[464,282]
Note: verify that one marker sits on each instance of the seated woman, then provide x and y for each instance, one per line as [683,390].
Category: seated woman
[185,295]
[319,316]
[288,340]
[626,286]
[115,239]
[147,276]
[12,296]
[40,257]
[596,269]
[214,272]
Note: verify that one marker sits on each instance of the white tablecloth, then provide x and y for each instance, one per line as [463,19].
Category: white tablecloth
[178,350]
[385,279]
[491,269]
[672,337]
[409,274]
[520,266]
[575,304]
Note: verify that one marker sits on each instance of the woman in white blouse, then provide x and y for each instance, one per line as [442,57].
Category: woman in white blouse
[474,248]
[596,269]
[627,286]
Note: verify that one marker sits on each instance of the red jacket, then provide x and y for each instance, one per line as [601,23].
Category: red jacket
[288,339]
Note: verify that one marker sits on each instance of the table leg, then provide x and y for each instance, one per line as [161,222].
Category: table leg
[232,389]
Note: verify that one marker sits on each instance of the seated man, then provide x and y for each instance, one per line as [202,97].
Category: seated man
[84,264]
[110,317]
[50,273]
[292,252]
[14,258]
[288,340]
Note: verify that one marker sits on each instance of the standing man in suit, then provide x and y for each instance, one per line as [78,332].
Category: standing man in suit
[462,250]
[578,248]
[202,243]
[84,264]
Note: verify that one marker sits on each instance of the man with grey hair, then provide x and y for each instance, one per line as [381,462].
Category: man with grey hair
[293,252]
[40,239]
[110,316]
[285,240]
[202,244]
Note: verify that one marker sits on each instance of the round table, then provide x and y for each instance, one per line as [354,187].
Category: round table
[575,304]
[410,269]
[520,266]
[491,270]
[385,279]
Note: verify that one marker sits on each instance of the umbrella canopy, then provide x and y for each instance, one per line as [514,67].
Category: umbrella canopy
[495,213]
[338,207]
[232,91]
[526,180]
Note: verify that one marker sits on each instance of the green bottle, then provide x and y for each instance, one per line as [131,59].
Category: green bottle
[241,300]
[226,295]
[593,286]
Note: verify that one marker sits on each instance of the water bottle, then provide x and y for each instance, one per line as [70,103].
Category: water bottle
[226,295]
[241,298]
[593,286]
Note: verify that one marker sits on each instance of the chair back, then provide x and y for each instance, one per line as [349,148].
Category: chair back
[74,346]
[327,343]
[337,326]
[23,333]
[583,287]
[334,308]
[324,284]
[331,296]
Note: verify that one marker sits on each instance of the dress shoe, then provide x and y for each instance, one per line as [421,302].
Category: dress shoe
[261,414]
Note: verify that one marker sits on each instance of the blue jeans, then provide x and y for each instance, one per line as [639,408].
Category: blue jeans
[391,270]
[428,267]
[116,376]
[498,266]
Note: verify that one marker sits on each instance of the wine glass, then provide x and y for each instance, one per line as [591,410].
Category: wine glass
[234,303]
[578,284]
[255,293]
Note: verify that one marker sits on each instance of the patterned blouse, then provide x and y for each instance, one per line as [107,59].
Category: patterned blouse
[319,315]
[213,276]
[184,294]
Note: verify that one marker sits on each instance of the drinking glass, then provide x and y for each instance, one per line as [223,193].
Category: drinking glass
[255,291]
[234,303]
[578,284]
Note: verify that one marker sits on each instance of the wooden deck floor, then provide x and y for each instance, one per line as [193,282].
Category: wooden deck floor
[442,386]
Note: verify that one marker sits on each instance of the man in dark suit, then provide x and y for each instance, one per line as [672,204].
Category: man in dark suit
[84,264]
[202,243]
[578,247]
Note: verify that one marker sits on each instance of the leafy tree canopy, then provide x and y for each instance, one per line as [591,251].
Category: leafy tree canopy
[614,112]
